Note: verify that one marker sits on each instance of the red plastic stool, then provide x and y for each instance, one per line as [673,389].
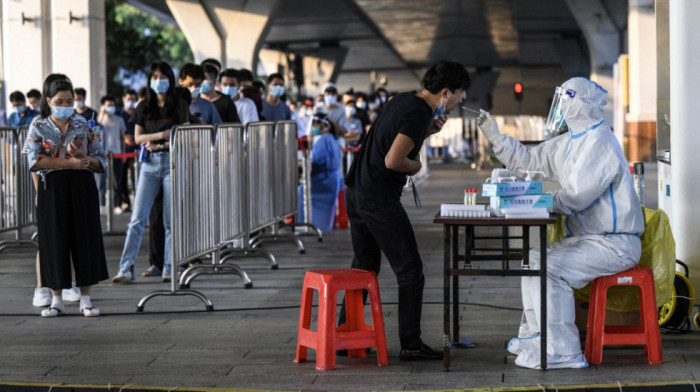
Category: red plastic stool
[354,335]
[341,220]
[646,334]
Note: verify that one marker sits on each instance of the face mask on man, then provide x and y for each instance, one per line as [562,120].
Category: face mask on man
[79,104]
[62,112]
[206,87]
[350,111]
[362,105]
[160,86]
[129,104]
[276,91]
[110,110]
[19,109]
[230,91]
[330,100]
[194,91]
[440,109]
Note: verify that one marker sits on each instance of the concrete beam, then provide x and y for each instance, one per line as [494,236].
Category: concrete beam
[243,25]
[78,45]
[198,27]
[603,40]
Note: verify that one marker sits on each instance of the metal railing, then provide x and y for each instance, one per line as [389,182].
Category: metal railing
[283,163]
[17,194]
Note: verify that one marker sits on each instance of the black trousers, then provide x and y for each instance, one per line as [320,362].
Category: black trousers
[156,232]
[381,225]
[68,213]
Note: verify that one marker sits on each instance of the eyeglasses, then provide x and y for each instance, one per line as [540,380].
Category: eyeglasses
[416,199]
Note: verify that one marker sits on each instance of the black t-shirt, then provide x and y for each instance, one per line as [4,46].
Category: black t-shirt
[406,114]
[88,114]
[227,110]
[163,121]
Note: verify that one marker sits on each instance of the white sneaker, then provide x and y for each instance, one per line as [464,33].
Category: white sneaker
[123,277]
[72,294]
[42,297]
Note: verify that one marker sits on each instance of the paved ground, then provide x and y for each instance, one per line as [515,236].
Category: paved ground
[249,340]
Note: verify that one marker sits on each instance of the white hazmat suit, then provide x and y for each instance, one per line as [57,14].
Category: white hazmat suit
[604,219]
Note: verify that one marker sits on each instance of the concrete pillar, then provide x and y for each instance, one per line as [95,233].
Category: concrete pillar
[641,119]
[685,144]
[243,25]
[198,27]
[78,45]
[603,45]
[23,36]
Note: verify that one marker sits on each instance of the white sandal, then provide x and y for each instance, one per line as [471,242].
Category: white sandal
[51,311]
[90,311]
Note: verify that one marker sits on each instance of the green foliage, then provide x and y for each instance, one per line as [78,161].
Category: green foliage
[135,40]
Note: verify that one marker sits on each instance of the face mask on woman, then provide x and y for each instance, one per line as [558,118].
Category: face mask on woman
[315,131]
[160,86]
[62,112]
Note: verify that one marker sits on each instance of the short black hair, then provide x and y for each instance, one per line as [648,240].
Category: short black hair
[17,96]
[246,75]
[80,91]
[214,62]
[273,77]
[210,70]
[34,93]
[143,91]
[107,98]
[350,102]
[129,92]
[231,73]
[192,70]
[331,89]
[446,74]
[258,84]
[382,89]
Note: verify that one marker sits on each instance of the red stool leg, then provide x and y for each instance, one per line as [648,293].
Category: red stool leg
[304,322]
[325,350]
[355,316]
[649,317]
[597,331]
[378,323]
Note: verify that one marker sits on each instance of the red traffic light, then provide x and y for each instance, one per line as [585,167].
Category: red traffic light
[518,88]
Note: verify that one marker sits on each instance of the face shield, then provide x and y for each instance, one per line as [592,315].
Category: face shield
[555,124]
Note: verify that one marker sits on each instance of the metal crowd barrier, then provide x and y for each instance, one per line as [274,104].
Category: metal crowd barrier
[17,194]
[283,159]
[193,190]
[232,175]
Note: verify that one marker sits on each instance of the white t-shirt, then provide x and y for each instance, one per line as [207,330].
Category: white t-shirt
[247,111]
[112,129]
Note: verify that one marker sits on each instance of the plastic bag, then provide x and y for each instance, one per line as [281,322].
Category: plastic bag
[658,253]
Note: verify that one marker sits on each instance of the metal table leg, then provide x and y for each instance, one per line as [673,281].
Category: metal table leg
[446,231]
[543,296]
[455,281]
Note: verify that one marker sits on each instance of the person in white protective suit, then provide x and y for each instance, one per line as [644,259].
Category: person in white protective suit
[604,219]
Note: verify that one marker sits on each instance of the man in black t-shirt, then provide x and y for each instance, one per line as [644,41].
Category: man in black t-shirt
[378,221]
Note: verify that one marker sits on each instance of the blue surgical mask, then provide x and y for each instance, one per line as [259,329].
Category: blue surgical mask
[362,105]
[129,104]
[194,91]
[315,131]
[160,86]
[330,100]
[276,91]
[62,112]
[230,91]
[206,87]
[20,109]
[350,111]
[110,109]
[440,109]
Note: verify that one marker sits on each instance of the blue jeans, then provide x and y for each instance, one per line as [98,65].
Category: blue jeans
[154,174]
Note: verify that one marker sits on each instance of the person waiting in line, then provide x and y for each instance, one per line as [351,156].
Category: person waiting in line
[228,85]
[334,111]
[81,107]
[352,124]
[325,177]
[34,99]
[21,114]
[153,120]
[213,62]
[349,96]
[362,113]
[274,109]
[113,130]
[604,219]
[224,106]
[129,100]
[141,95]
[202,111]
[378,222]
[62,148]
